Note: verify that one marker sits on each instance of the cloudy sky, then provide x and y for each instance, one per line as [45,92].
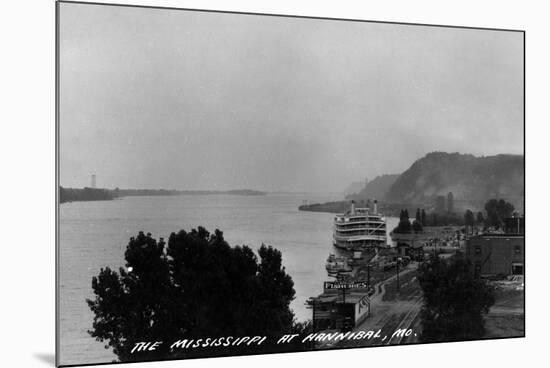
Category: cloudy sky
[154,98]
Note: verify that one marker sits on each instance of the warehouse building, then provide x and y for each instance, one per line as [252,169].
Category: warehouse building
[499,254]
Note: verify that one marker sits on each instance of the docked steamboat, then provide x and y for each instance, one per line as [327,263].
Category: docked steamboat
[360,229]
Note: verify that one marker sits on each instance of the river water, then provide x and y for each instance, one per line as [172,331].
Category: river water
[93,235]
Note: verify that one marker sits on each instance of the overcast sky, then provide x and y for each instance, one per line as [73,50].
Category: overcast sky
[154,98]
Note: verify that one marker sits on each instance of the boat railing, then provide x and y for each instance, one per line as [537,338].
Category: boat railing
[365,227]
[360,237]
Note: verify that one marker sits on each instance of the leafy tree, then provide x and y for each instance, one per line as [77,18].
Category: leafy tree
[404,225]
[127,305]
[416,226]
[418,216]
[196,286]
[454,300]
[497,211]
[479,218]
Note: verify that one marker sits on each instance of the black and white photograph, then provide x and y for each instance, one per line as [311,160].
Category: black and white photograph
[233,183]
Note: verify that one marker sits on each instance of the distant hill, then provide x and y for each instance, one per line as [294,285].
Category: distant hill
[354,188]
[377,188]
[471,179]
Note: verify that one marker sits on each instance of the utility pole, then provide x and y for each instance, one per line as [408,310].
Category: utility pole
[314,302]
[398,260]
[313,319]
[343,311]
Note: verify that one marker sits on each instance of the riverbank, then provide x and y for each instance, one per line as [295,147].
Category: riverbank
[328,207]
[84,194]
[388,209]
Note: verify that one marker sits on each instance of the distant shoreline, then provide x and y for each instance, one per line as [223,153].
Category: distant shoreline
[174,192]
[388,209]
[102,194]
[327,207]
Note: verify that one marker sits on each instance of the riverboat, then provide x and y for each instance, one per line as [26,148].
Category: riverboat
[360,229]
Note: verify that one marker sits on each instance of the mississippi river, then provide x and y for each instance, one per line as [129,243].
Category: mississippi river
[95,234]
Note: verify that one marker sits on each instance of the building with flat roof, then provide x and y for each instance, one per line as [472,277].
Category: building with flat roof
[332,309]
[499,254]
[514,225]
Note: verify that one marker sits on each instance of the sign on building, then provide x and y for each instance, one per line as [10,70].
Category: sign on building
[331,285]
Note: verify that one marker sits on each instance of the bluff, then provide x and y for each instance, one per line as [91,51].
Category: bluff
[470,179]
[376,188]
[354,188]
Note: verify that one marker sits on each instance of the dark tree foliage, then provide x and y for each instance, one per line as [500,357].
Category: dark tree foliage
[404,225]
[128,306]
[480,220]
[454,300]
[196,286]
[418,216]
[85,194]
[497,210]
[416,226]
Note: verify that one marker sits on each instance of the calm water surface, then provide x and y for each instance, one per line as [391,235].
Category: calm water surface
[93,235]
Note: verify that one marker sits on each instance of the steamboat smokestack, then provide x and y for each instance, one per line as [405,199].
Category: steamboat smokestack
[352,209]
[375,207]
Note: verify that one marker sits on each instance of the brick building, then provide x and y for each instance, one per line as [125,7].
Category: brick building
[499,254]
